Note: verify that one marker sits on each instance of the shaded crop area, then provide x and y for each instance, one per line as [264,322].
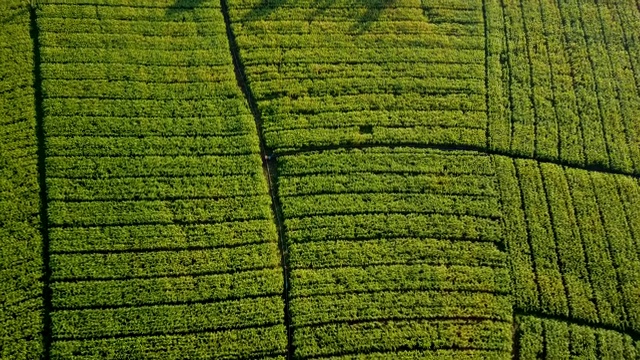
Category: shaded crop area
[21,261]
[320,179]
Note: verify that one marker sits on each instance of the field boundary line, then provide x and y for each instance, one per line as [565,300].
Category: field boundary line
[450,147]
[47,335]
[268,166]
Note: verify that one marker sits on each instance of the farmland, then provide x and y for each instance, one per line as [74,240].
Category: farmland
[338,179]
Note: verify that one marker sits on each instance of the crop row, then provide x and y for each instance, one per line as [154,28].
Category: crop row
[288,140]
[356,85]
[104,126]
[572,239]
[362,102]
[408,276]
[260,342]
[396,160]
[440,354]
[166,319]
[321,309]
[329,55]
[415,13]
[370,226]
[100,213]
[338,13]
[135,90]
[142,73]
[373,4]
[127,56]
[84,25]
[170,236]
[96,106]
[416,70]
[352,27]
[153,188]
[394,251]
[334,339]
[568,89]
[125,265]
[112,167]
[21,262]
[373,183]
[554,339]
[166,290]
[91,12]
[166,5]
[319,205]
[343,41]
[152,145]
[214,42]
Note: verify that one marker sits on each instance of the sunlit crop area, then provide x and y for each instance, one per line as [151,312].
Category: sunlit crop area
[320,179]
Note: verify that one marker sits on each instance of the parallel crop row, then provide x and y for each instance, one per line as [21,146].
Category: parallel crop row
[21,265]
[353,72]
[400,242]
[573,240]
[568,90]
[553,339]
[162,241]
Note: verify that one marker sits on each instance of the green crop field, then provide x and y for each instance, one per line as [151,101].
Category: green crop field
[320,179]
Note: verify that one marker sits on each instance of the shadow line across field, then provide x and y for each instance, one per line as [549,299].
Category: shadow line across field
[374,9]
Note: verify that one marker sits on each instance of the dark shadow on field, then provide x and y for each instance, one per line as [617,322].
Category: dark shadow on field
[374,9]
[262,11]
[14,14]
[372,14]
[181,6]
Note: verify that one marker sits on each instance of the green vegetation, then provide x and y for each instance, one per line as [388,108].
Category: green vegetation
[322,76]
[158,208]
[21,259]
[570,89]
[576,254]
[21,265]
[340,179]
[424,255]
[554,339]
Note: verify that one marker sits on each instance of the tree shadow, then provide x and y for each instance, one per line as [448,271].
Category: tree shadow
[374,8]
[14,14]
[182,6]
[263,10]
